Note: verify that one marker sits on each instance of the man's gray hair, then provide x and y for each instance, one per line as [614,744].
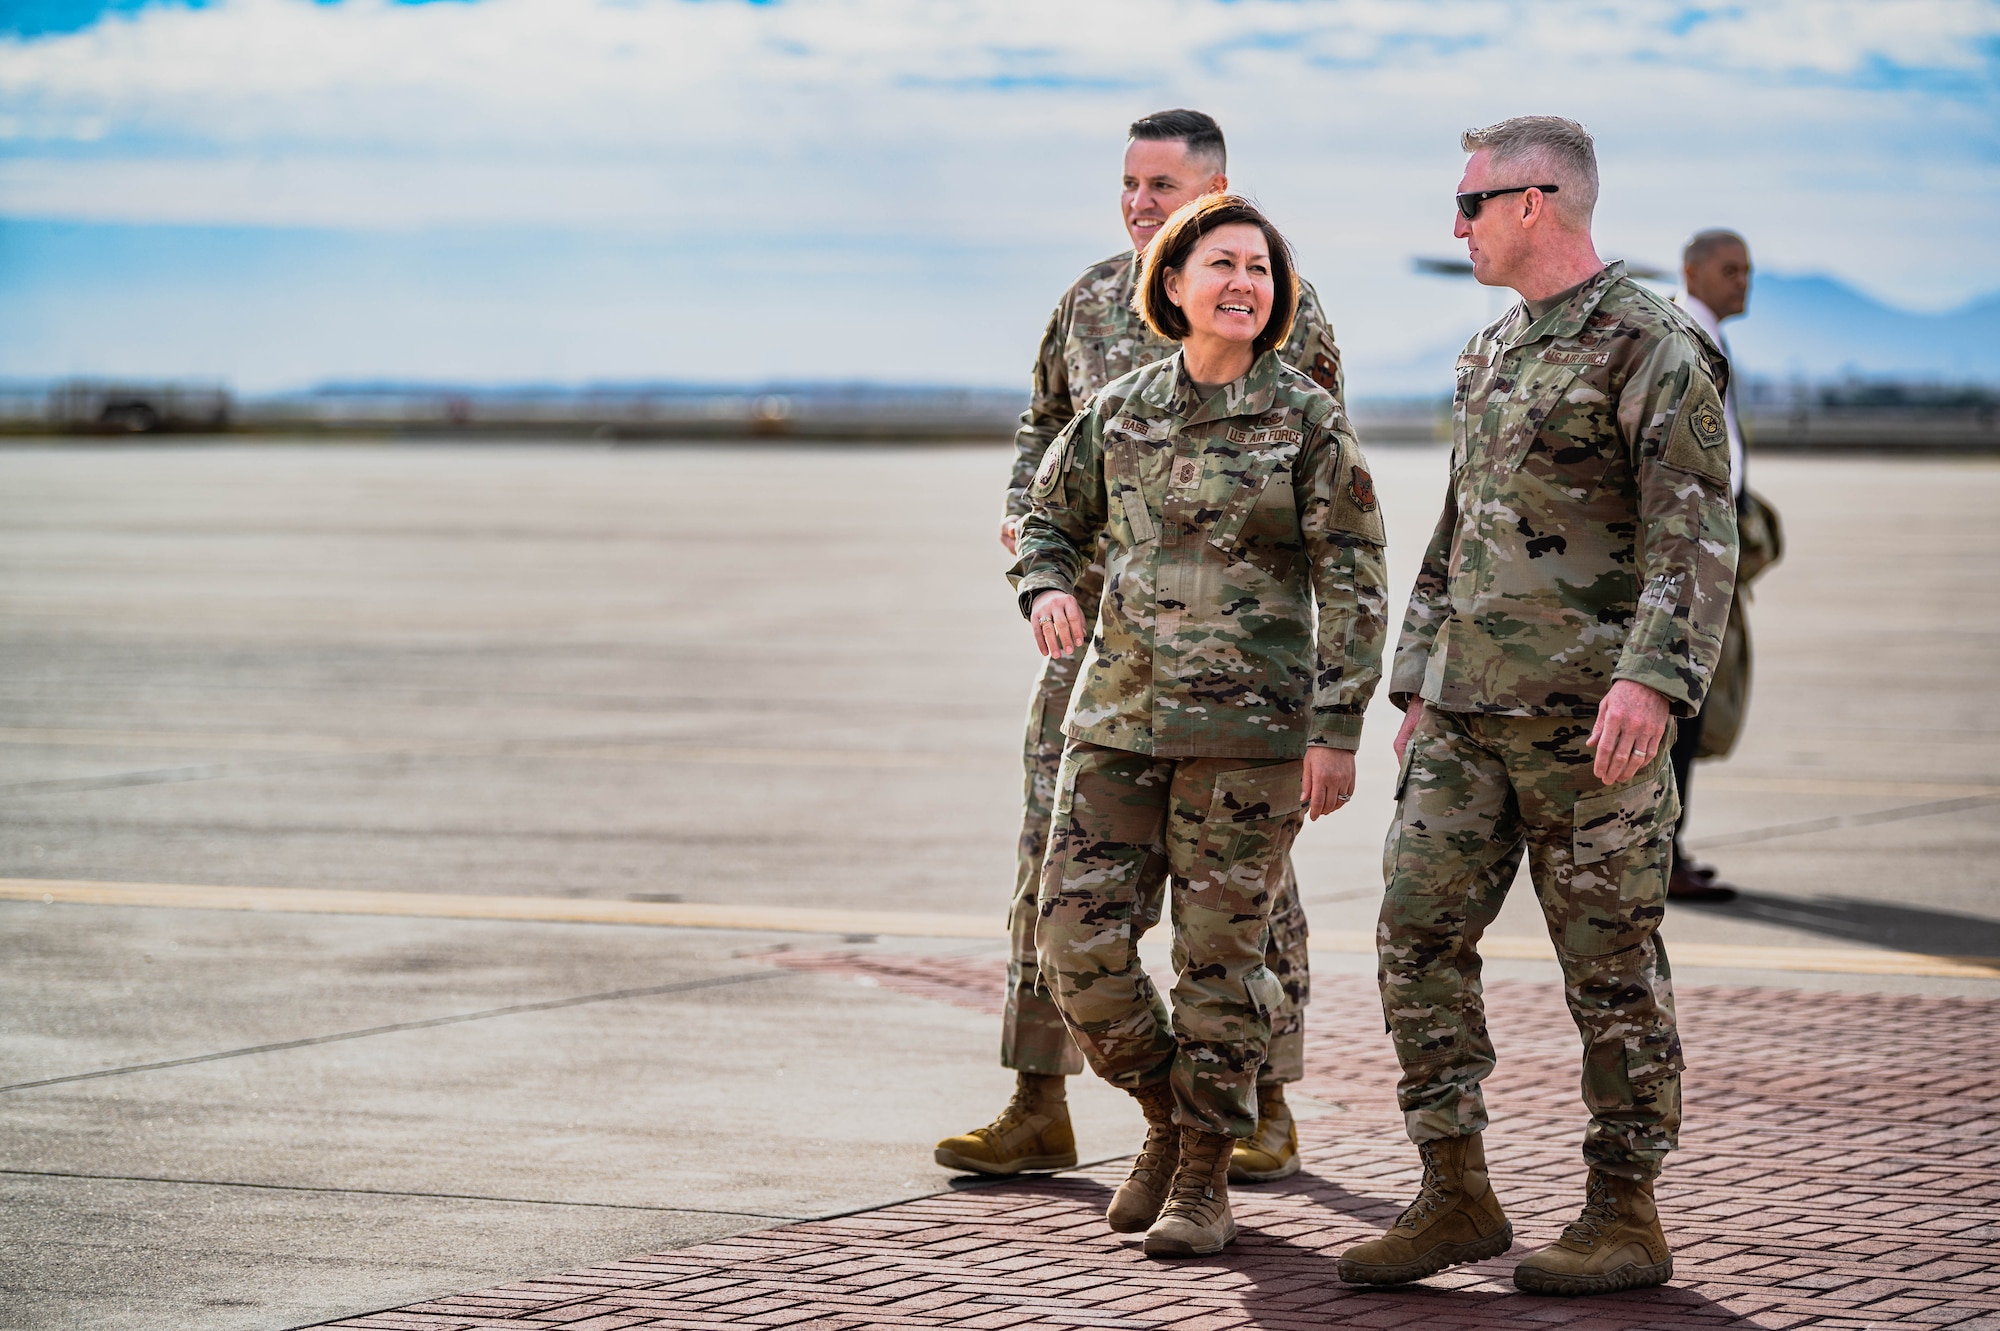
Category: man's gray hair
[1558,151]
[1704,243]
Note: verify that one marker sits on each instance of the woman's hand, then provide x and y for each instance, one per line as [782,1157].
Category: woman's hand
[1058,623]
[1329,780]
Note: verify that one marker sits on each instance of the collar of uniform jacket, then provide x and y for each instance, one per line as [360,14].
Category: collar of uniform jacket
[1567,319]
[1251,395]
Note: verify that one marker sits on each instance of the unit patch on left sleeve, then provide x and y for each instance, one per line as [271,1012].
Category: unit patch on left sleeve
[1361,488]
[1355,508]
[1049,474]
[1700,433]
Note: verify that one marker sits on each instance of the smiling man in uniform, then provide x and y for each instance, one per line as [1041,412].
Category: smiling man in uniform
[1569,608]
[1094,336]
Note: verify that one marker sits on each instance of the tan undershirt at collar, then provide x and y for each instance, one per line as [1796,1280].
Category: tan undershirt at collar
[1538,308]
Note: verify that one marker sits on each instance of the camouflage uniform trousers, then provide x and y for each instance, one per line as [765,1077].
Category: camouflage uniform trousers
[1477,793]
[1032,1035]
[1218,829]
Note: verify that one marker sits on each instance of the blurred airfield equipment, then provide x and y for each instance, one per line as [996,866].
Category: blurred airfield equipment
[647,411]
[633,412]
[121,407]
[1430,267]
[1854,414]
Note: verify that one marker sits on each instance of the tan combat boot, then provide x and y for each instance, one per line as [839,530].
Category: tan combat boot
[1455,1219]
[1031,1134]
[1137,1203]
[1615,1244]
[1196,1220]
[1271,1152]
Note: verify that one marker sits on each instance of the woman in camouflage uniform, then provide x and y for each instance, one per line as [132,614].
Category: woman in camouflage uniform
[1238,642]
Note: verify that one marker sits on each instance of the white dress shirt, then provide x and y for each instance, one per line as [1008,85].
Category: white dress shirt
[1713,327]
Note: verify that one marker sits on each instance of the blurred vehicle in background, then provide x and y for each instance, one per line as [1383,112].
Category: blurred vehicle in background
[104,406]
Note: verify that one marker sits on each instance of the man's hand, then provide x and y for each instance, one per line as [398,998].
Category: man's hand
[1010,532]
[1413,716]
[1329,782]
[1058,623]
[1631,723]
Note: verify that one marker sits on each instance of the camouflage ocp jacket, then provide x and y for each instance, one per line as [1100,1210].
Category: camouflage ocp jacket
[1095,336]
[1588,533]
[1243,613]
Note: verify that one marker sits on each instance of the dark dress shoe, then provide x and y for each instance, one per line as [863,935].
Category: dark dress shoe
[1691,882]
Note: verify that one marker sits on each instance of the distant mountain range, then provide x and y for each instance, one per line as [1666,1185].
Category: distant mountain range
[1821,328]
[1814,328]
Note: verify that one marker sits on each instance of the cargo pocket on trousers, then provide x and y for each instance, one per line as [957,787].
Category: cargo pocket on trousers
[1392,842]
[1265,992]
[1621,842]
[1055,856]
[1252,817]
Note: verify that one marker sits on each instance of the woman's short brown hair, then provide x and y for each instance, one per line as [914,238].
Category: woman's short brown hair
[1169,253]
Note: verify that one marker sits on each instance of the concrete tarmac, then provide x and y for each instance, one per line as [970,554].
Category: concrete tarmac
[759,675]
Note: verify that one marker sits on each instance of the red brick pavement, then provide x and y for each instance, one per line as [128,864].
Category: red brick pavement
[1840,1167]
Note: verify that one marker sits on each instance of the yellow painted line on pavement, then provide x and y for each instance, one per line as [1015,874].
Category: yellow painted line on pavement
[894,924]
[201,739]
[558,910]
[601,747]
[1833,960]
[1786,785]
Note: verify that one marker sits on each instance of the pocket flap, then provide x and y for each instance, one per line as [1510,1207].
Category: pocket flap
[1251,794]
[1612,821]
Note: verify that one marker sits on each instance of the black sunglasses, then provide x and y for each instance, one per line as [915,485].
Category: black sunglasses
[1469,203]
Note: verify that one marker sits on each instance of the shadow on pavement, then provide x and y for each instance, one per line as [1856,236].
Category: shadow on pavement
[1904,928]
[1079,1186]
[1283,1275]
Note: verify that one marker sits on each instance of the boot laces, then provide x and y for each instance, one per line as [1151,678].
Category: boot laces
[1018,1111]
[1193,1184]
[1432,1193]
[1160,1138]
[1600,1212]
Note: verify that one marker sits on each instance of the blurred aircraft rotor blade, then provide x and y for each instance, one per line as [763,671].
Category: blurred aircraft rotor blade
[1645,272]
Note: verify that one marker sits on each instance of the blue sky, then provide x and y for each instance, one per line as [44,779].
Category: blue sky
[275,192]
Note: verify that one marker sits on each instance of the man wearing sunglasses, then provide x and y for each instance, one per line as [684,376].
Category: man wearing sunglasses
[1570,607]
[1095,335]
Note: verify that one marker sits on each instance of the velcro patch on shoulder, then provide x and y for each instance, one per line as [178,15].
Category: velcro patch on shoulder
[1049,475]
[1476,361]
[1323,362]
[1356,508]
[1699,442]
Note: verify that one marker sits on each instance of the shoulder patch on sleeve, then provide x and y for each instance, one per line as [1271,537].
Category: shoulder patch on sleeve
[1356,508]
[1699,441]
[1049,474]
[1323,361]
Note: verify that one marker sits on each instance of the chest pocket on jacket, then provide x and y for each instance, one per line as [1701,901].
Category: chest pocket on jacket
[1270,539]
[1260,522]
[1559,425]
[1475,374]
